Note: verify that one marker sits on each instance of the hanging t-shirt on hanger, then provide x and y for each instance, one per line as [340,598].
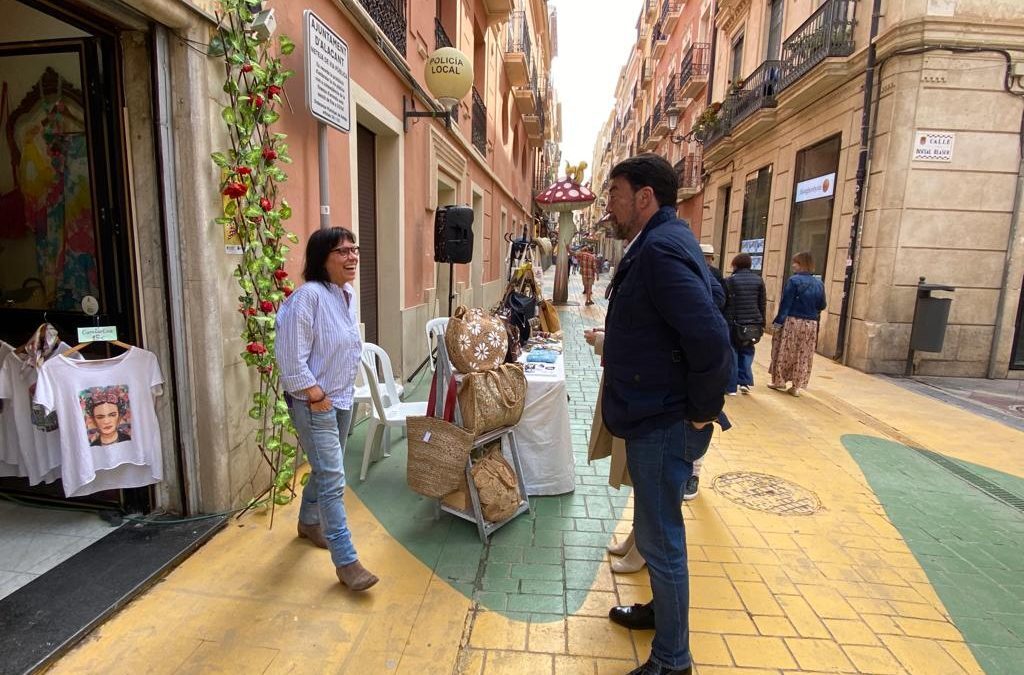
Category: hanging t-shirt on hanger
[110,436]
[9,463]
[33,443]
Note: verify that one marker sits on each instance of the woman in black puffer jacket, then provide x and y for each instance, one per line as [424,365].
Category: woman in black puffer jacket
[745,314]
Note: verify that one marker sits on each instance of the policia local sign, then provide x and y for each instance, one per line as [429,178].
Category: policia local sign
[326,60]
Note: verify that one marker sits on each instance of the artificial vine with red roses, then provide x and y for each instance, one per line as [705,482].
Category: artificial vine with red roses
[254,79]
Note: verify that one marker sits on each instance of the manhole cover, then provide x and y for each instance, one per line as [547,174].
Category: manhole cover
[762,492]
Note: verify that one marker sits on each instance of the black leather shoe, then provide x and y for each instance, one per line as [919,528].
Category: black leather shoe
[654,669]
[634,617]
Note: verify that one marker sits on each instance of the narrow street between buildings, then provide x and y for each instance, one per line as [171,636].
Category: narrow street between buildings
[861,528]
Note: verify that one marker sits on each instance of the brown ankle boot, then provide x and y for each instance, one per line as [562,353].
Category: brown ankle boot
[356,577]
[312,532]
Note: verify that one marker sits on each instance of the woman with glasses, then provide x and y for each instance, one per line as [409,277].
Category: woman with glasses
[318,351]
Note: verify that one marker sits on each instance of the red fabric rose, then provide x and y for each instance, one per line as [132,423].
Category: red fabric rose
[256,348]
[257,101]
[267,306]
[273,90]
[244,171]
[280,275]
[234,190]
[249,311]
[265,204]
[287,291]
[247,68]
[269,154]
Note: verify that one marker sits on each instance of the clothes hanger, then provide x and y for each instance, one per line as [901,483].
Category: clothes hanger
[82,345]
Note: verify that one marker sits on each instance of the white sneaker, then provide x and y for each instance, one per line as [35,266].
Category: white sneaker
[744,389]
[796,391]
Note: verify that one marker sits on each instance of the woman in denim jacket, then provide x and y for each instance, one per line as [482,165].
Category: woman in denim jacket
[796,326]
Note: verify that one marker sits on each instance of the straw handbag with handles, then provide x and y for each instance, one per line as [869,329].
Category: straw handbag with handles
[496,484]
[475,340]
[438,449]
[493,399]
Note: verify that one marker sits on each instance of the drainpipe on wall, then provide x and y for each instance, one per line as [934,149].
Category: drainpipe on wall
[859,198]
[711,60]
[1018,197]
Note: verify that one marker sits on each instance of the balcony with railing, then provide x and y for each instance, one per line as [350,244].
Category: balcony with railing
[693,69]
[479,123]
[528,98]
[389,15]
[659,122]
[498,9]
[647,72]
[690,170]
[659,41]
[671,10]
[758,91]
[518,50]
[441,38]
[671,97]
[827,32]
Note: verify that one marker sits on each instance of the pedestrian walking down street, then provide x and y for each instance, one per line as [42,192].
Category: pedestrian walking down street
[318,354]
[588,270]
[745,314]
[718,292]
[796,326]
[667,362]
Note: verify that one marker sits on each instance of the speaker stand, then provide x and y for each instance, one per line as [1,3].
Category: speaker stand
[451,301]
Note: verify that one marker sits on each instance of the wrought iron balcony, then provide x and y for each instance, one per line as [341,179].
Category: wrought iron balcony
[715,127]
[690,170]
[479,123]
[827,32]
[441,38]
[389,15]
[659,40]
[670,12]
[518,50]
[671,102]
[757,91]
[647,73]
[693,70]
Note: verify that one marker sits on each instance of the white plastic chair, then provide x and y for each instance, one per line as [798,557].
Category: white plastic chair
[387,410]
[435,331]
[361,394]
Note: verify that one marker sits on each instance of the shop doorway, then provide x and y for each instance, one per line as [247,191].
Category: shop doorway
[366,149]
[63,237]
[1017,360]
[810,225]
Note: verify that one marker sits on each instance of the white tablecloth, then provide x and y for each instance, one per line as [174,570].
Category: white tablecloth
[543,435]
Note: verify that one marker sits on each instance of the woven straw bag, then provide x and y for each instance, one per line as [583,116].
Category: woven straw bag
[475,340]
[438,449]
[549,321]
[493,399]
[497,485]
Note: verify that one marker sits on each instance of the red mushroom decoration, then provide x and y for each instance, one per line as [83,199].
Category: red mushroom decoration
[563,197]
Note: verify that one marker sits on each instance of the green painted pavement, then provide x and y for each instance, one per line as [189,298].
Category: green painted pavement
[541,565]
[970,545]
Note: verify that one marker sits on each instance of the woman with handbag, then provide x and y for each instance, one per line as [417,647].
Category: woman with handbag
[796,326]
[745,314]
[318,354]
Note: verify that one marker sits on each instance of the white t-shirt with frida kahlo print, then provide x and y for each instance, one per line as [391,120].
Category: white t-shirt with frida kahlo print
[109,433]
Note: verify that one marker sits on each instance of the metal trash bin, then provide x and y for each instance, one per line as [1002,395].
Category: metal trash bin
[931,316]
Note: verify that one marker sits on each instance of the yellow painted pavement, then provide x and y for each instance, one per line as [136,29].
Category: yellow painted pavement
[837,591]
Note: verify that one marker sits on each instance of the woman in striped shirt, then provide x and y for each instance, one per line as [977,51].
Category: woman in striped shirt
[318,351]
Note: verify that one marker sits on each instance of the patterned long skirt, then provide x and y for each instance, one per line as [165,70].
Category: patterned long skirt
[793,352]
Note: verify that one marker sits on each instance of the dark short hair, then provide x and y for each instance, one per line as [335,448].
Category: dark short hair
[650,170]
[805,260]
[742,261]
[319,247]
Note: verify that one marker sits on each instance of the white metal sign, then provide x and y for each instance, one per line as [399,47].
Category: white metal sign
[327,91]
[816,188]
[930,146]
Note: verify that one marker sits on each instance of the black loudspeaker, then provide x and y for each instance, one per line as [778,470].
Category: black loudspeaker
[453,234]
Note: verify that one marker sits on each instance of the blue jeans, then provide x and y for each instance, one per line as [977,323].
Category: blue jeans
[742,372]
[660,462]
[322,437]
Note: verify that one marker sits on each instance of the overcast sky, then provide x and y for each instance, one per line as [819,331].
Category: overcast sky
[594,39]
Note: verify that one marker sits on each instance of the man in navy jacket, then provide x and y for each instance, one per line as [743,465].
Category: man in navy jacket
[667,362]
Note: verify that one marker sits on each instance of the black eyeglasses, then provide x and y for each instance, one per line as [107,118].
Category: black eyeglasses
[346,251]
